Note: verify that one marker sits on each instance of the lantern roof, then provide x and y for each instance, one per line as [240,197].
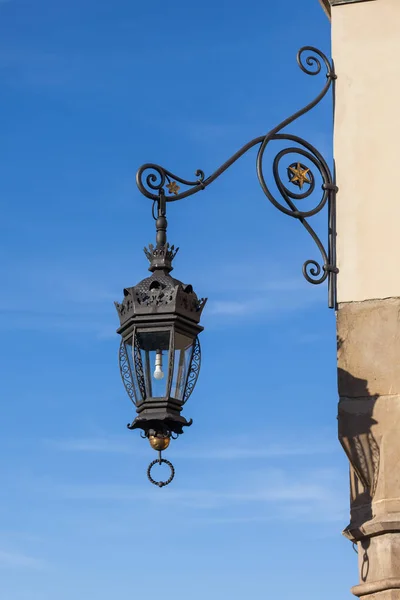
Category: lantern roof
[160,293]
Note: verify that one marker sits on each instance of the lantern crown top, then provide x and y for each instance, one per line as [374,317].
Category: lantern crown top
[161,257]
[160,293]
[160,296]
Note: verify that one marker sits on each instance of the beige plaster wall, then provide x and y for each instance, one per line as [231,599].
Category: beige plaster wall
[366,51]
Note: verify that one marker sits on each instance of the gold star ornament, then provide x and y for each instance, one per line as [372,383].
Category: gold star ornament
[298,175]
[173,188]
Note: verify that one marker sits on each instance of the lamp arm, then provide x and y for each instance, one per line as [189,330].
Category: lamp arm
[154,180]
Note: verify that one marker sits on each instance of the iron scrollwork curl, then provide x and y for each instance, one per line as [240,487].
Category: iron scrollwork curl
[194,370]
[126,373]
[312,62]
[155,181]
[313,271]
[137,359]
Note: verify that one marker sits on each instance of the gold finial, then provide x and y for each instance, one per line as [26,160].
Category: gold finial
[298,175]
[173,188]
[159,443]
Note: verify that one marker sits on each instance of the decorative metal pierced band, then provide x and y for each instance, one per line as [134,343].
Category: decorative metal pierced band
[156,296]
[152,179]
[158,461]
[194,370]
[138,366]
[126,373]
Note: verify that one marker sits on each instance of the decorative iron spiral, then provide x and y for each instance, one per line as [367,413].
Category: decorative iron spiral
[313,271]
[155,180]
[311,61]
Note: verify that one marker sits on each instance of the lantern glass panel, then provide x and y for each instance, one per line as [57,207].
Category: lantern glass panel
[154,352]
[183,356]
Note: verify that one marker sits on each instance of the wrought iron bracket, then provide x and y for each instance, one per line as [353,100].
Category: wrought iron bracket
[161,186]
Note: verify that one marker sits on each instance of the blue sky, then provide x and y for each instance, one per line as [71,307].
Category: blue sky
[90,91]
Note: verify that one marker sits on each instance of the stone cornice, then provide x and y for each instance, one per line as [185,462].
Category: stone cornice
[327,4]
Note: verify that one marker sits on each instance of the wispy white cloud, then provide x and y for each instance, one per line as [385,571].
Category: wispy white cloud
[103,445]
[291,491]
[273,495]
[266,305]
[271,294]
[61,296]
[19,560]
[199,498]
[227,453]
[222,451]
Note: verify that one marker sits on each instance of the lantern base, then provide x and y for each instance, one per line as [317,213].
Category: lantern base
[164,426]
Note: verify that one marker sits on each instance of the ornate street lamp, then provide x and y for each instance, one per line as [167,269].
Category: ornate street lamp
[160,352]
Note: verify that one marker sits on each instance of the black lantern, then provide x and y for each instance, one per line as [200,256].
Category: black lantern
[160,352]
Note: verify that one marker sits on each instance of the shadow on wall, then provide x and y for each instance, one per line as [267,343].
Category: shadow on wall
[355,423]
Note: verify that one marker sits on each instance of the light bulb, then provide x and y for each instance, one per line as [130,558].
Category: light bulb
[158,372]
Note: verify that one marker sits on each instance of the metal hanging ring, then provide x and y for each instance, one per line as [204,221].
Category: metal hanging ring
[158,461]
